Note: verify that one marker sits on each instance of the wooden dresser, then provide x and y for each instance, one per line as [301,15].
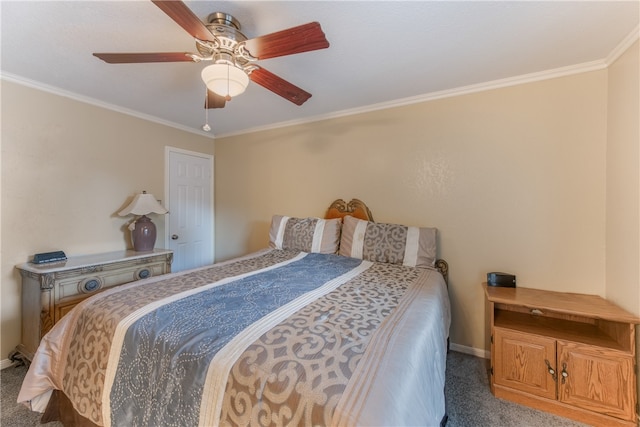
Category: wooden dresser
[49,291]
[570,354]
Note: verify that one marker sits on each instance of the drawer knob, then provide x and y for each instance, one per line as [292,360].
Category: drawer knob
[564,373]
[89,285]
[174,237]
[143,273]
[552,371]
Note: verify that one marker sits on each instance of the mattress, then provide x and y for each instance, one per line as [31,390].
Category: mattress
[279,337]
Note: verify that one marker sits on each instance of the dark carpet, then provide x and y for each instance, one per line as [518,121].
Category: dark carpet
[469,400]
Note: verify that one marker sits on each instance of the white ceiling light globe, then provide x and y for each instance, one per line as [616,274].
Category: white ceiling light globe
[225,79]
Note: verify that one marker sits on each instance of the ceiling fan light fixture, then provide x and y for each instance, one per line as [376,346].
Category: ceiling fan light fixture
[225,79]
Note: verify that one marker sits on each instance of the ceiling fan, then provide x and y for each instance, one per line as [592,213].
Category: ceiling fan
[233,56]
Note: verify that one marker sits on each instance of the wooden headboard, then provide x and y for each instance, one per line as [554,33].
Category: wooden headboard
[357,208]
[443,267]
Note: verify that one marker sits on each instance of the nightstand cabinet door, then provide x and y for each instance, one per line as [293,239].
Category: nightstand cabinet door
[597,379]
[522,362]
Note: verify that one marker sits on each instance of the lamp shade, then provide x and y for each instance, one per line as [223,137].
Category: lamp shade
[143,204]
[225,79]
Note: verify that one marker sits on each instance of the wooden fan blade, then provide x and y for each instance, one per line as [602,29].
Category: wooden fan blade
[184,17]
[279,86]
[214,100]
[287,42]
[128,58]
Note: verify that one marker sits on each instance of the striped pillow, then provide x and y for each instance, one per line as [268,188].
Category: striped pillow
[305,234]
[391,243]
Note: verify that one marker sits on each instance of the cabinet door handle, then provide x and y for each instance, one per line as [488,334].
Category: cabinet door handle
[564,373]
[552,371]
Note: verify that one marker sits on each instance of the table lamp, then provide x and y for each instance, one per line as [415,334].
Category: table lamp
[143,231]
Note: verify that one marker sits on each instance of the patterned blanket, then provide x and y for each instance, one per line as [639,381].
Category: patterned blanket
[276,338]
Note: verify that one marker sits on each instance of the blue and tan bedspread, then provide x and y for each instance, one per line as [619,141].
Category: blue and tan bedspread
[275,338]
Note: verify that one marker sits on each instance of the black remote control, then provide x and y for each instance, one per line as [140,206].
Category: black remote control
[49,257]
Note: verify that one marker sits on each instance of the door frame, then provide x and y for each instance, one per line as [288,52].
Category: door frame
[167,181]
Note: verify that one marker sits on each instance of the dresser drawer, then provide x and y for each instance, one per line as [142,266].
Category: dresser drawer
[86,284]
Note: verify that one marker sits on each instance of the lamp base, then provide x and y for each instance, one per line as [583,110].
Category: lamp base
[144,235]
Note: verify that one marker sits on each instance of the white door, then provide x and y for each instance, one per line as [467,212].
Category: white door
[189,198]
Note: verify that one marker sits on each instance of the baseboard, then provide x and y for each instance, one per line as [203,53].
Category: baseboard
[6,363]
[485,354]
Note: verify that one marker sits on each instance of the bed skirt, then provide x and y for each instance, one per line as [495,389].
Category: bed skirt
[61,409]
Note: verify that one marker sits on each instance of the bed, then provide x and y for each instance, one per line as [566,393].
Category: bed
[340,321]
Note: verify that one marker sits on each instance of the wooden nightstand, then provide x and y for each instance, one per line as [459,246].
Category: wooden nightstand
[570,354]
[49,291]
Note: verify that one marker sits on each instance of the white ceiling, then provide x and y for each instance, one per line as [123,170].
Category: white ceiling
[382,52]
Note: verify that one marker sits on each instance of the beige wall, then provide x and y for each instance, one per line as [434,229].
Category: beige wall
[67,167]
[623,184]
[623,181]
[514,179]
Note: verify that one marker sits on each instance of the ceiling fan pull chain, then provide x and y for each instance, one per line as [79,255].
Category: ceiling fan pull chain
[206,126]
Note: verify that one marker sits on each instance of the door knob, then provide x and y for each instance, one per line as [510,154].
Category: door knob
[174,237]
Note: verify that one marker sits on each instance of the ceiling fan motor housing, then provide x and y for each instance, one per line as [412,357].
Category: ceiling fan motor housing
[226,29]
[224,19]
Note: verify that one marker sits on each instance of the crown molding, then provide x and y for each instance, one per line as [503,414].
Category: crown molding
[449,93]
[92,101]
[622,47]
[465,90]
